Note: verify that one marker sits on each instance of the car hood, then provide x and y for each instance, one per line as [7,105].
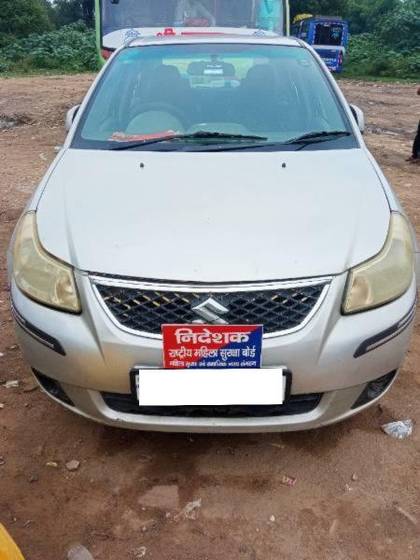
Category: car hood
[219,217]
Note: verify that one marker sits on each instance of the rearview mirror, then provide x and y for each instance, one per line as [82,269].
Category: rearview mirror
[70,116]
[359,117]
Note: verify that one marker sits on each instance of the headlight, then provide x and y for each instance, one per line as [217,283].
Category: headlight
[387,276]
[38,274]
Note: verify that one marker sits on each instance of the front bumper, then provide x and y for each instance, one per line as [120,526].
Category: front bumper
[324,357]
[334,406]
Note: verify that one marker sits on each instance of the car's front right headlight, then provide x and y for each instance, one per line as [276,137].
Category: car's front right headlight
[38,274]
[387,276]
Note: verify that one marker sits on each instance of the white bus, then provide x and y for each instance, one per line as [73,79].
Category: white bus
[118,21]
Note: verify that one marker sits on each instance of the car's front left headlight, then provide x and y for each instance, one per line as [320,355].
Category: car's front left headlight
[38,274]
[387,276]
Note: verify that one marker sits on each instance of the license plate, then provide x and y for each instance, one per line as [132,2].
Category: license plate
[212,346]
[210,387]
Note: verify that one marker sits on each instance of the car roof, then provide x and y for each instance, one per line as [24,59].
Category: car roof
[202,37]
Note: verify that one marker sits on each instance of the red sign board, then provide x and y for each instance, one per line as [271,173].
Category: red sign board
[212,346]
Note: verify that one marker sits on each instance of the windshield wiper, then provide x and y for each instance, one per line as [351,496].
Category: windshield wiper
[200,134]
[304,140]
[318,136]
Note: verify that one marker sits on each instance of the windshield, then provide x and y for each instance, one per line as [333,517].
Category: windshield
[328,34]
[269,92]
[128,14]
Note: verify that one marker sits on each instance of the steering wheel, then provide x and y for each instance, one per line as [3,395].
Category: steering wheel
[164,107]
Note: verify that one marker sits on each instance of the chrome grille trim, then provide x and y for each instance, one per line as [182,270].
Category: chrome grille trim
[208,289]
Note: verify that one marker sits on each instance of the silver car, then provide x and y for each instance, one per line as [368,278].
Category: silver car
[214,181]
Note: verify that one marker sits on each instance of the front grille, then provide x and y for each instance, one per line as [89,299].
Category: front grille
[146,310]
[296,404]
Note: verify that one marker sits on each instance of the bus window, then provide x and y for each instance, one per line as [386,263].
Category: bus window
[126,14]
[195,13]
[236,13]
[120,20]
[120,14]
[327,34]
[269,15]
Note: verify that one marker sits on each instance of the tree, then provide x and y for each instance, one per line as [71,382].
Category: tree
[319,7]
[400,28]
[20,18]
[69,11]
[88,9]
[48,8]
[365,14]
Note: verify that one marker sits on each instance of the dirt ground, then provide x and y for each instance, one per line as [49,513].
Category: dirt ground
[357,494]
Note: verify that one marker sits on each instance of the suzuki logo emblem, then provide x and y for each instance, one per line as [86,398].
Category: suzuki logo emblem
[210,311]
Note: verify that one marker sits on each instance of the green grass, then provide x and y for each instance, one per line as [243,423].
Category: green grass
[36,72]
[70,49]
[381,79]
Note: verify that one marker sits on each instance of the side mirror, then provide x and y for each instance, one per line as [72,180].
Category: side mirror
[70,116]
[359,117]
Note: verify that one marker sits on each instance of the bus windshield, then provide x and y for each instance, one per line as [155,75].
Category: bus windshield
[329,34]
[121,20]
